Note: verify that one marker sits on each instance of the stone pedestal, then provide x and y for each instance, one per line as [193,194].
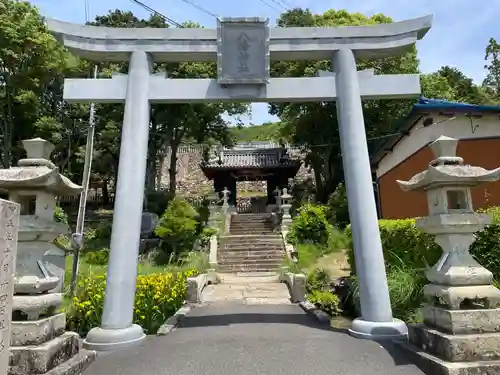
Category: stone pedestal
[42,347]
[456,342]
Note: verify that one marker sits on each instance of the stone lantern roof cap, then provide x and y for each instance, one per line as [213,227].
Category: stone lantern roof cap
[37,172]
[448,170]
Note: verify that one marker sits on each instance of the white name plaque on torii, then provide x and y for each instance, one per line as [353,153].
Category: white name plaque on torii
[243,51]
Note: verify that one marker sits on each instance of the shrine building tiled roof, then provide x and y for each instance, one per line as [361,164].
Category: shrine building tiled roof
[252,158]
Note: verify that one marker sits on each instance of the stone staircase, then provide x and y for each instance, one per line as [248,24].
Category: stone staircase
[251,245]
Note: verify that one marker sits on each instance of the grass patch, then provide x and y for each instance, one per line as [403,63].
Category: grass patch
[193,260]
[406,292]
[330,257]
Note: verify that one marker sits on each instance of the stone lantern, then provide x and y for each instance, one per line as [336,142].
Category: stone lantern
[225,200]
[277,197]
[213,208]
[286,206]
[40,264]
[461,321]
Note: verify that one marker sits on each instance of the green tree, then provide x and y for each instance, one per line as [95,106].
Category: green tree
[449,83]
[30,58]
[33,66]
[171,124]
[314,125]
[492,81]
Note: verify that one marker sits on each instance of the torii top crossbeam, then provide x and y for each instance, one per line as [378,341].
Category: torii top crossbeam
[197,44]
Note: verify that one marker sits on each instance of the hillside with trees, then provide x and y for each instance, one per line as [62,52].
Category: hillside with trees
[268,131]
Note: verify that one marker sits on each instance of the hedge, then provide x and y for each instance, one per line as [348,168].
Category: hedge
[405,245]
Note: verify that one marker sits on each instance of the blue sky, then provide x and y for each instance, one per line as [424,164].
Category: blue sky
[458,37]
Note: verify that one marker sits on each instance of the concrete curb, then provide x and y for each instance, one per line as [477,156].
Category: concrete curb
[196,284]
[172,322]
[296,283]
[319,315]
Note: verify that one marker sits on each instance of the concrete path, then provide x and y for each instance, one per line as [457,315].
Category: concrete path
[248,289]
[238,339]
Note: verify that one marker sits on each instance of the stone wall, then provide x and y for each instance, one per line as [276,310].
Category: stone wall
[192,182]
[190,178]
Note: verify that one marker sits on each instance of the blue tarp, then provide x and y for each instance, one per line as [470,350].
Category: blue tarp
[425,103]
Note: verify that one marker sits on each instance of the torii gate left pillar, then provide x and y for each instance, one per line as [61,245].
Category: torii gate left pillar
[116,329]
[246,78]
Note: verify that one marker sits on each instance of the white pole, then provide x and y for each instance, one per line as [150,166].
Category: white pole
[77,238]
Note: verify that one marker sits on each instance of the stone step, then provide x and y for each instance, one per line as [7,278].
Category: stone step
[254,223]
[251,223]
[250,226]
[249,278]
[251,241]
[262,219]
[246,268]
[251,249]
[256,262]
[253,237]
[251,216]
[248,244]
[251,255]
[247,231]
[42,358]
[243,231]
[269,238]
[76,365]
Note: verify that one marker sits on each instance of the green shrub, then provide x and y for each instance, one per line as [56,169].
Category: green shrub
[157,297]
[97,258]
[337,209]
[60,216]
[177,228]
[403,245]
[205,236]
[486,248]
[203,212]
[309,226]
[318,280]
[326,302]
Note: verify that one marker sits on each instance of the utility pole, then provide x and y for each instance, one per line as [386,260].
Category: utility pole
[77,237]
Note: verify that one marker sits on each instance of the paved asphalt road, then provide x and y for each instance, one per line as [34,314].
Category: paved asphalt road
[237,339]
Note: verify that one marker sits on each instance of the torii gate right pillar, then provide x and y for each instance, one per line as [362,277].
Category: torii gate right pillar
[376,321]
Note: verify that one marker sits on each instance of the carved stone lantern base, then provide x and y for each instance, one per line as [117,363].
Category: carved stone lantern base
[456,342]
[43,347]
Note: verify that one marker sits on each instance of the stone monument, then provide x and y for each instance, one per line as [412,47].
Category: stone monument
[39,342]
[9,225]
[461,330]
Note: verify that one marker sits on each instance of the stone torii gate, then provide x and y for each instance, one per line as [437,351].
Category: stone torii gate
[243,49]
